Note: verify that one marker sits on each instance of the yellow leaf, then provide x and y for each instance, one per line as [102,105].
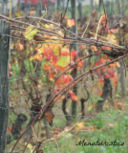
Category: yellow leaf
[112,38]
[49,26]
[117,64]
[80,126]
[30,32]
[64,61]
[30,147]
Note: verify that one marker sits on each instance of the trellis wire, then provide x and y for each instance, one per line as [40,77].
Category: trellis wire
[62,115]
[68,43]
[35,41]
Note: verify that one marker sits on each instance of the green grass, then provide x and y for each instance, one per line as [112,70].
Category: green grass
[103,132]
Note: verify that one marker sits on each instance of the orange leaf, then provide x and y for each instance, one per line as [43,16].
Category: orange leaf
[10,70]
[103,19]
[75,98]
[100,93]
[92,128]
[9,129]
[106,48]
[113,65]
[115,81]
[94,48]
[20,46]
[70,22]
[49,117]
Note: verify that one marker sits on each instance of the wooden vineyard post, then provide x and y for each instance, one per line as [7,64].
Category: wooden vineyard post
[39,8]
[75,47]
[4,104]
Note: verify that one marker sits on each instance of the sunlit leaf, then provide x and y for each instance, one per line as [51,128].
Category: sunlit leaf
[80,126]
[30,33]
[20,46]
[70,22]
[64,61]
[94,48]
[112,38]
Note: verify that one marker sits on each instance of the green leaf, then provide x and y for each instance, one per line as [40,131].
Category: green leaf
[99,98]
[15,69]
[29,66]
[30,33]
[64,61]
[12,116]
[42,65]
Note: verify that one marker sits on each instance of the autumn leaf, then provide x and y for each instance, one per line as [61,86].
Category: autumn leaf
[92,128]
[63,80]
[29,146]
[80,126]
[30,32]
[9,129]
[67,78]
[80,63]
[65,51]
[63,61]
[73,96]
[115,81]
[111,125]
[94,48]
[51,77]
[49,117]
[114,31]
[112,38]
[73,54]
[49,26]
[107,76]
[103,19]
[48,53]
[36,57]
[94,12]
[118,105]
[10,70]
[118,64]
[20,46]
[70,22]
[100,93]
[106,48]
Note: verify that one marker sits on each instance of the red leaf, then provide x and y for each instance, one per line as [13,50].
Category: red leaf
[73,54]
